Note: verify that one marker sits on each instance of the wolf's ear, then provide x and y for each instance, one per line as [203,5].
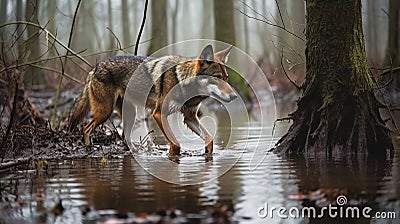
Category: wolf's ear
[222,56]
[207,53]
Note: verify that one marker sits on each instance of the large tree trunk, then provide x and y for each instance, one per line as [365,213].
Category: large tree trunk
[337,112]
[159,26]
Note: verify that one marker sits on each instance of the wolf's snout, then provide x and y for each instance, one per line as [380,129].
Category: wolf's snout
[232,96]
[224,94]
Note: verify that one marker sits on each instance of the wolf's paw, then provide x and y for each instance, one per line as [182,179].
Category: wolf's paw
[174,150]
[209,148]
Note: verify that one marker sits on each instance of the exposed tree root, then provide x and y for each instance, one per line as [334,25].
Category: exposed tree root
[338,113]
[347,128]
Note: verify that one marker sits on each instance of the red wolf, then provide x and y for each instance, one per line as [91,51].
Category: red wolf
[108,81]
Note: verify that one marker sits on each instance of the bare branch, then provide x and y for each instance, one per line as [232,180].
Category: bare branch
[141,27]
[287,76]
[49,34]
[6,68]
[57,71]
[264,20]
[280,14]
[115,36]
[65,59]
[385,102]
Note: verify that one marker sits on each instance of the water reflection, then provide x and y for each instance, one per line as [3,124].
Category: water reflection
[357,178]
[256,178]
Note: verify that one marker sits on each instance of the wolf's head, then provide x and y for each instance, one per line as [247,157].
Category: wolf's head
[211,73]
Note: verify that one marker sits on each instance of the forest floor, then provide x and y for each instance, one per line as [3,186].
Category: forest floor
[26,142]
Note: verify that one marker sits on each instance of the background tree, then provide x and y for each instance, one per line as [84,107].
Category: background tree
[370,33]
[159,26]
[3,11]
[20,29]
[393,49]
[86,27]
[224,21]
[338,109]
[51,14]
[291,16]
[125,23]
[111,38]
[224,28]
[32,44]
[174,17]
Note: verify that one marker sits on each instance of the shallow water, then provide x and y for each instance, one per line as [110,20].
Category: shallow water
[253,178]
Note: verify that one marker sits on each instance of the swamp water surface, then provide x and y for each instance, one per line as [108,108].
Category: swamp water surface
[127,184]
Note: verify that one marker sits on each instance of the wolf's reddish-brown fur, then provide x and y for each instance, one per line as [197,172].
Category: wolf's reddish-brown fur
[107,82]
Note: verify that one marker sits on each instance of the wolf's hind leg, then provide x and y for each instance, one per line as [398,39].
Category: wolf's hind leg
[162,122]
[128,124]
[118,106]
[101,112]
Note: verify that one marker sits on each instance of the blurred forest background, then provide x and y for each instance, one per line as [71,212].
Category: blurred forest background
[270,31]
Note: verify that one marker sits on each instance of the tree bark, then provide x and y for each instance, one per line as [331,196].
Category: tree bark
[159,26]
[337,112]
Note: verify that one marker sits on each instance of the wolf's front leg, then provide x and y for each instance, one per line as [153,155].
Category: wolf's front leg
[192,121]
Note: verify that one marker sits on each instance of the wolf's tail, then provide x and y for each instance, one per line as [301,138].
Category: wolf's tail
[81,110]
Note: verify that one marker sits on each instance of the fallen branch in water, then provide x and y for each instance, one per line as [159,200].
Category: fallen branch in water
[8,165]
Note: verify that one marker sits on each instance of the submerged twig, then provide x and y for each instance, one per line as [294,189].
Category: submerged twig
[4,166]
[118,135]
